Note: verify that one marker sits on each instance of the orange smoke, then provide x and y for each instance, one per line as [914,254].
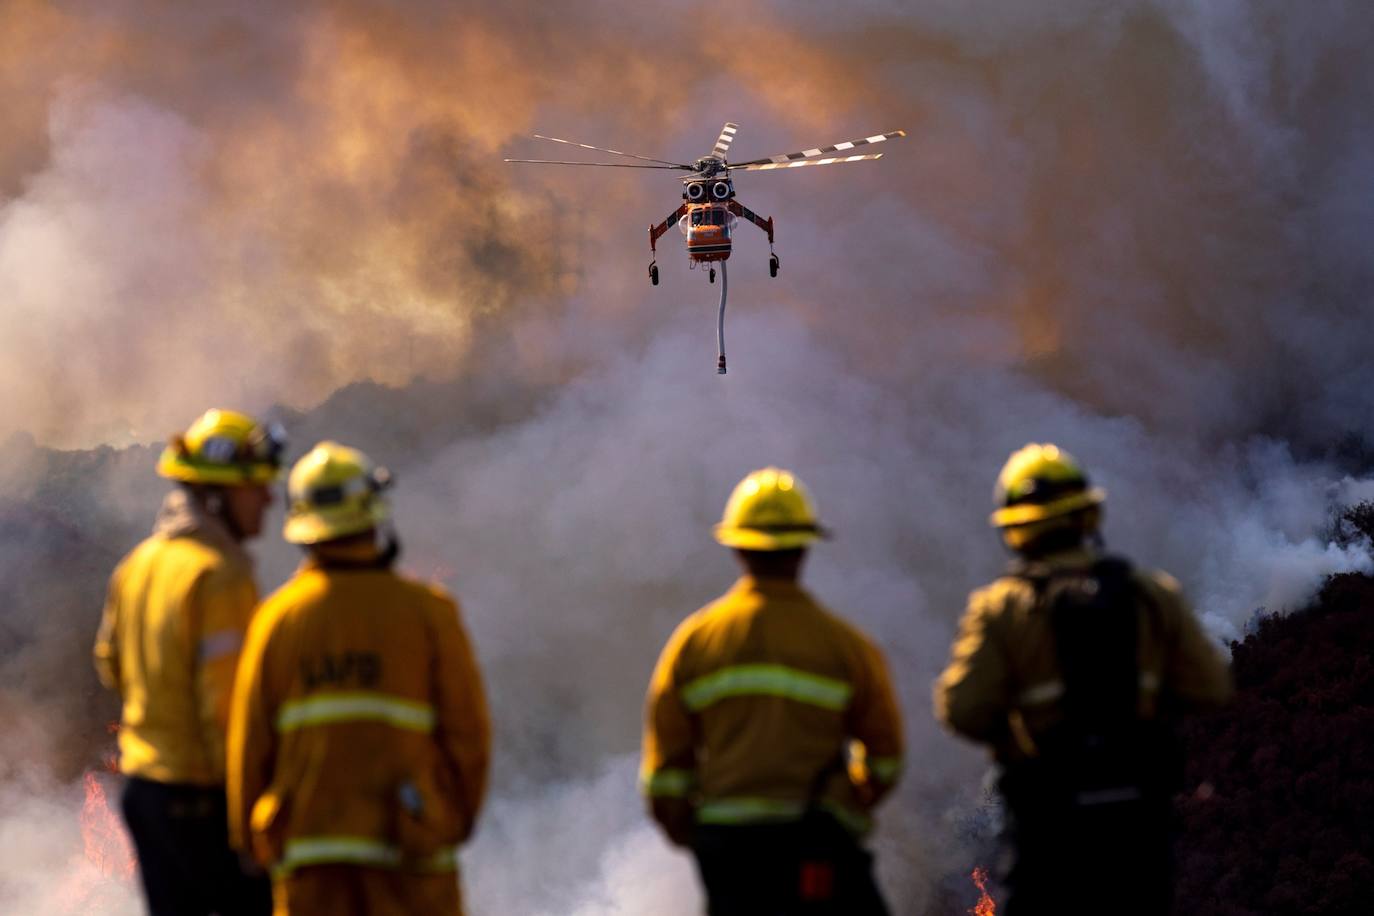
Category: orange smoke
[269,205]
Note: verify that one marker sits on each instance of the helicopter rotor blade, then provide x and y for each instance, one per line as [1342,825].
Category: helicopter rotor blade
[604,165]
[823,150]
[616,152]
[727,134]
[833,160]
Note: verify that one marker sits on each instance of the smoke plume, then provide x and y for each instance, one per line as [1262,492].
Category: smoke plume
[1137,229]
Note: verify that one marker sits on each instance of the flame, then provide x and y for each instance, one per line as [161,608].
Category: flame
[106,864]
[106,844]
[985,905]
[111,760]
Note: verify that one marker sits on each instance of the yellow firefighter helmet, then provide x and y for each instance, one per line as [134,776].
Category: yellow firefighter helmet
[1039,483]
[334,491]
[769,510]
[224,448]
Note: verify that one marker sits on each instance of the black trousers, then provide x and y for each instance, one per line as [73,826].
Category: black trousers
[810,868]
[181,833]
[1086,860]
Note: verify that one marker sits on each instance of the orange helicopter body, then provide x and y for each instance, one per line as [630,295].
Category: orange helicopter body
[708,228]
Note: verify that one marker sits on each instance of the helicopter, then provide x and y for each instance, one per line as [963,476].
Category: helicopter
[709,211]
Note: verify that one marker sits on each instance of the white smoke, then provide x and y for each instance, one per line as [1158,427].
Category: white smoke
[75,262]
[583,535]
[1138,229]
[618,867]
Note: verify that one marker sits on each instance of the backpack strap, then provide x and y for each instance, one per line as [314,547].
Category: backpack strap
[1095,620]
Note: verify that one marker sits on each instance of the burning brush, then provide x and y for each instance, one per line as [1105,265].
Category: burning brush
[985,905]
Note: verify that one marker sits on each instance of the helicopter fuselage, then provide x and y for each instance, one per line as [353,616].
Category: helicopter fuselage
[707,221]
[708,228]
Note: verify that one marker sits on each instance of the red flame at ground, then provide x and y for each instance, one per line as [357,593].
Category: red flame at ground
[106,844]
[985,905]
[107,858]
[112,758]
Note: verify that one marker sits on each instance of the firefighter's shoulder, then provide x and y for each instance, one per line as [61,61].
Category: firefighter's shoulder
[188,553]
[305,586]
[698,631]
[701,621]
[1160,580]
[139,556]
[184,564]
[427,594]
[1163,588]
[838,629]
[1001,596]
[303,590]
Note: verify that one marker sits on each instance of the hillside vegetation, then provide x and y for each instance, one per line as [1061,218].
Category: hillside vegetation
[1283,824]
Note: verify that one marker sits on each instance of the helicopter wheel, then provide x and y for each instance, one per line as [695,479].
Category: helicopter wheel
[653,274]
[773,265]
[712,275]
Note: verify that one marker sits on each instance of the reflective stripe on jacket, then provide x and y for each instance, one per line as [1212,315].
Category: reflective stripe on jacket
[1002,686]
[757,694]
[175,616]
[359,732]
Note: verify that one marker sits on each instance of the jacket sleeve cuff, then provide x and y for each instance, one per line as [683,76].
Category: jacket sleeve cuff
[667,783]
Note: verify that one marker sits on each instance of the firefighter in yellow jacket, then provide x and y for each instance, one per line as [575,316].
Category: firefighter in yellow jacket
[772,730]
[359,737]
[1073,668]
[175,616]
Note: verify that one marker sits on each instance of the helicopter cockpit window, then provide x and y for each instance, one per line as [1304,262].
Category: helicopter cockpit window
[709,216]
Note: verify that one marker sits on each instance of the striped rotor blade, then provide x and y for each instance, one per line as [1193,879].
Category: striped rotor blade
[604,165]
[833,160]
[614,152]
[826,150]
[727,135]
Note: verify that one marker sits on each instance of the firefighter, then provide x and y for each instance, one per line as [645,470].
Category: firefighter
[1074,668]
[175,616]
[358,738]
[771,727]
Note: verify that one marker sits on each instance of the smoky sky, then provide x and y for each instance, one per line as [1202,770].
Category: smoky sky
[1137,229]
[1157,208]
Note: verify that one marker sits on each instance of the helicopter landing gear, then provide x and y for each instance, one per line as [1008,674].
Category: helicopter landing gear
[712,275]
[772,265]
[653,272]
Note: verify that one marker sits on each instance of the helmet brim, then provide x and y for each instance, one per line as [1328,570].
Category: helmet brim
[1027,513]
[176,467]
[756,539]
[320,525]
